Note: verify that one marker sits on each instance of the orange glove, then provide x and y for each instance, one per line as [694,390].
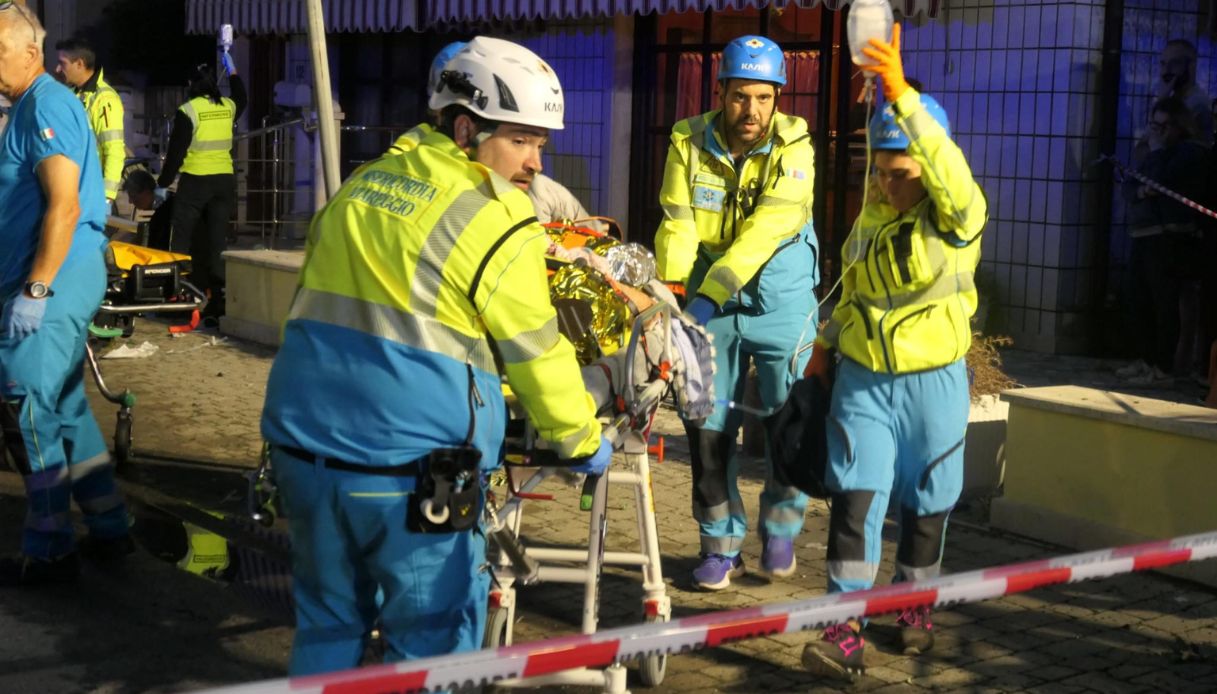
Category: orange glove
[888,67]
[820,365]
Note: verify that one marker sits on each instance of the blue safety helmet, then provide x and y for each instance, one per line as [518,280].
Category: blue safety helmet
[753,58]
[886,134]
[439,61]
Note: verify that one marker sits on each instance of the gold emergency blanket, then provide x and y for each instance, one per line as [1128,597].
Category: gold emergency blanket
[581,281]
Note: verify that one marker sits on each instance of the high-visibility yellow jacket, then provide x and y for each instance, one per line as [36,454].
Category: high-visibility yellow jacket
[424,272]
[410,139]
[210,150]
[105,110]
[736,216]
[907,291]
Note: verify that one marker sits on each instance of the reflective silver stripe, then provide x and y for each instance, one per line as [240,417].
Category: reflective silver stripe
[109,135]
[428,272]
[529,345]
[918,122]
[211,145]
[919,573]
[945,287]
[678,213]
[725,277]
[852,570]
[721,545]
[568,445]
[111,185]
[84,468]
[47,524]
[46,479]
[393,325]
[100,504]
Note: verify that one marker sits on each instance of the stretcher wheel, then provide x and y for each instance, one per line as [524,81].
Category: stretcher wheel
[122,439]
[496,628]
[652,668]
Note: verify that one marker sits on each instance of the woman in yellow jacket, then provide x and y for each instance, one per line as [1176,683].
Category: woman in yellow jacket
[200,147]
[902,327]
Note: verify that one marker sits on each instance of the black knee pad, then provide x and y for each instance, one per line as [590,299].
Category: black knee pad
[921,538]
[847,525]
[14,442]
[710,451]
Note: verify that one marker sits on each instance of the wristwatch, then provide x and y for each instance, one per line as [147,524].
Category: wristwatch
[38,289]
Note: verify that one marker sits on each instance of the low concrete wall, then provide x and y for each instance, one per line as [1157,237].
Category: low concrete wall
[260,287]
[1090,468]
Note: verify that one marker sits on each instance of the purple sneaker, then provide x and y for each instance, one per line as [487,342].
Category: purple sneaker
[777,558]
[716,571]
[838,653]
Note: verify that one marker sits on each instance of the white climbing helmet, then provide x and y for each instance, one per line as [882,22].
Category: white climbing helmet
[501,81]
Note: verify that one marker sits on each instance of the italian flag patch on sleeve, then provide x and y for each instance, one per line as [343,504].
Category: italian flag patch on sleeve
[47,134]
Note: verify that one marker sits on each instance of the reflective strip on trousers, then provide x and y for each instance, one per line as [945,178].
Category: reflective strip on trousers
[46,479]
[919,573]
[391,324]
[852,570]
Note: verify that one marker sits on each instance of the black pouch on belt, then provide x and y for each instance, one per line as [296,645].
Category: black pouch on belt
[448,495]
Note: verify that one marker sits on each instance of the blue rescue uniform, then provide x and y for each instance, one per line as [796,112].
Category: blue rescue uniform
[49,428]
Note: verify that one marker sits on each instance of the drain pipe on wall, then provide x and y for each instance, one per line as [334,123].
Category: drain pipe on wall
[326,127]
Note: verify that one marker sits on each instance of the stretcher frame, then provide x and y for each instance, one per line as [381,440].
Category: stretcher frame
[125,399]
[628,429]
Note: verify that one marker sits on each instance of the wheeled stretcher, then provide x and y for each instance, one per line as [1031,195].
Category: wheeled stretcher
[628,386]
[140,281]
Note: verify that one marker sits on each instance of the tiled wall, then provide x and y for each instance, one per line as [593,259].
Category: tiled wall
[1020,80]
[578,156]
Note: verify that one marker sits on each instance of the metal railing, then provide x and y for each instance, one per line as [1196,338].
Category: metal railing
[276,198]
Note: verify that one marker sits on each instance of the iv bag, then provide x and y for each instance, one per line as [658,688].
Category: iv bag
[868,19]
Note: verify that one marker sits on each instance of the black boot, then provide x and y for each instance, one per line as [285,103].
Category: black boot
[19,570]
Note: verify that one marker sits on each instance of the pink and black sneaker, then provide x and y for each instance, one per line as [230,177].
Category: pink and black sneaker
[838,653]
[916,630]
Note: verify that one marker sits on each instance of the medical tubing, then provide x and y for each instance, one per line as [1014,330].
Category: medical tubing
[868,90]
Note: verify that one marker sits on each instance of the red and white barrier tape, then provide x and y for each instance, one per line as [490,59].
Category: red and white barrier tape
[1159,187]
[476,668]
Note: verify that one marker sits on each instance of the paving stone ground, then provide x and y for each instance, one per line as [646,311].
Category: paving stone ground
[200,396]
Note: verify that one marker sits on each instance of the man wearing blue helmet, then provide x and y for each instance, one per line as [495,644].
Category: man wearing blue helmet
[902,327]
[737,233]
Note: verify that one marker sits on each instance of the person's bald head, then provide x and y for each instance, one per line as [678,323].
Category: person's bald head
[21,37]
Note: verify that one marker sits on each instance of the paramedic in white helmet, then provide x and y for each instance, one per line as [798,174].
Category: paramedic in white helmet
[552,201]
[423,285]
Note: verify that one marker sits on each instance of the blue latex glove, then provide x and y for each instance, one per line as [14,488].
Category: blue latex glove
[701,310]
[159,196]
[598,462]
[23,316]
[230,66]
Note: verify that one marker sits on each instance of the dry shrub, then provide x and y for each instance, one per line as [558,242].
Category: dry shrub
[984,364]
